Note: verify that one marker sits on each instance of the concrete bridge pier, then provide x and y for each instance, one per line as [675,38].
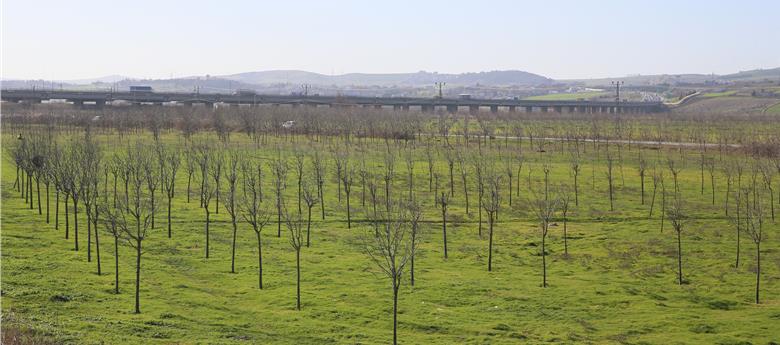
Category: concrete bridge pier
[377,106]
[558,109]
[473,109]
[452,109]
[544,109]
[493,108]
[405,107]
[511,108]
[529,109]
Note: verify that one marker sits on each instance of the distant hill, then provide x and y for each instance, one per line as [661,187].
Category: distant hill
[494,78]
[772,74]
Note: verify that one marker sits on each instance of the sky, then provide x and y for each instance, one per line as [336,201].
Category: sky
[64,40]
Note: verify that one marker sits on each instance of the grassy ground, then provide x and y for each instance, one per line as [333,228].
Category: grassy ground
[616,286]
[775,109]
[718,94]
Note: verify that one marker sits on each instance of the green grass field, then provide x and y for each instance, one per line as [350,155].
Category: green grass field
[775,109]
[718,94]
[617,285]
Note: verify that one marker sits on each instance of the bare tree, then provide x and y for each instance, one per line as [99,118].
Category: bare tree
[134,220]
[319,172]
[295,225]
[544,208]
[389,245]
[642,168]
[191,159]
[463,167]
[576,167]
[768,174]
[311,198]
[279,168]
[300,161]
[170,160]
[450,156]
[253,213]
[409,159]
[346,179]
[754,221]
[152,170]
[207,193]
[388,176]
[231,174]
[444,201]
[736,219]
[415,217]
[565,201]
[491,203]
[610,179]
[676,217]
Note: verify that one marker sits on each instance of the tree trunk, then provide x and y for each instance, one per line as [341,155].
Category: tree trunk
[152,200]
[679,259]
[189,181]
[322,201]
[116,265]
[169,216]
[47,203]
[138,277]
[395,313]
[38,189]
[56,208]
[67,217]
[490,245]
[259,260]
[565,237]
[308,228]
[544,263]
[278,215]
[576,192]
[88,210]
[207,231]
[76,223]
[233,255]
[758,269]
[444,230]
[97,241]
[349,218]
[298,270]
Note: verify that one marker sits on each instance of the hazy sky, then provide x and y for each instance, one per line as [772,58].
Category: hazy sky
[73,39]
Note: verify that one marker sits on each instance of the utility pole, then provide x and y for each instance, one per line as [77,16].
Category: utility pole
[617,90]
[305,88]
[617,94]
[440,84]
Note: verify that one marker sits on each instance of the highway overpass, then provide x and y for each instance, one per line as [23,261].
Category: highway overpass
[103,98]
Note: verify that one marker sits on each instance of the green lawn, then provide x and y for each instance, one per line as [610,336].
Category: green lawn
[616,286]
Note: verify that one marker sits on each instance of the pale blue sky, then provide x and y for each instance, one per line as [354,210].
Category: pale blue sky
[58,39]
